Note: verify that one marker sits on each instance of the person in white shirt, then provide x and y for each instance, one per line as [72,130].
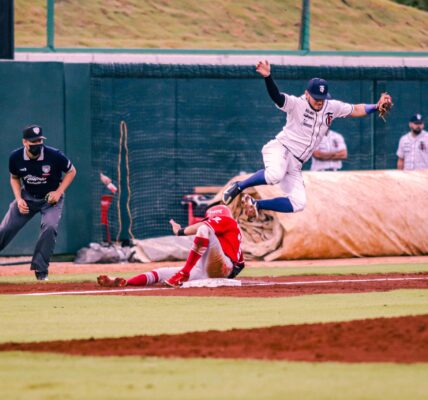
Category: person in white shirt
[412,150]
[308,120]
[330,152]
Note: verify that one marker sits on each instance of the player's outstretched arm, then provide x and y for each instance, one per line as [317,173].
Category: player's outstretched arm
[263,68]
[383,106]
[188,230]
[360,110]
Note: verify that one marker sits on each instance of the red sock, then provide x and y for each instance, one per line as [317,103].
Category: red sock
[199,247]
[149,278]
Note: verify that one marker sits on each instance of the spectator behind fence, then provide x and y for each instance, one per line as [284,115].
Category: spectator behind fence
[330,152]
[412,150]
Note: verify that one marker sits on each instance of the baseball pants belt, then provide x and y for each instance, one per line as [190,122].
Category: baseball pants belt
[297,158]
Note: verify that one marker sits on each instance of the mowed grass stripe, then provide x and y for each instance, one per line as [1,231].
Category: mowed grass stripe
[27,319]
[248,272]
[48,376]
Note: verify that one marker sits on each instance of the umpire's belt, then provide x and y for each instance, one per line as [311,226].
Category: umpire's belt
[37,196]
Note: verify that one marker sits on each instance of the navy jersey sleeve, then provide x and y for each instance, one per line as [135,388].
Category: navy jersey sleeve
[13,168]
[63,162]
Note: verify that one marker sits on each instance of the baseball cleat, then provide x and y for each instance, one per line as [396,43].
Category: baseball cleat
[250,207]
[177,280]
[109,281]
[231,192]
[41,276]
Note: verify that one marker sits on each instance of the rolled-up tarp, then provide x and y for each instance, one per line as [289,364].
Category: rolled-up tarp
[348,214]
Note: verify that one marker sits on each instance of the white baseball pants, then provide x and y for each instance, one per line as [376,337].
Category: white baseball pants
[282,168]
[213,263]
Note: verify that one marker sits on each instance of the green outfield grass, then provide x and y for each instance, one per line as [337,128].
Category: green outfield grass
[250,272]
[47,376]
[26,318]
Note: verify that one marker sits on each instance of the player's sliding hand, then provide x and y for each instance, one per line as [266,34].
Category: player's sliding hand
[23,207]
[175,226]
[263,68]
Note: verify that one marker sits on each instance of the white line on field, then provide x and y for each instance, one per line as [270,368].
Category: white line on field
[246,283]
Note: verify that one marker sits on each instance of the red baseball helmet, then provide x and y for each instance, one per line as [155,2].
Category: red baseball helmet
[218,211]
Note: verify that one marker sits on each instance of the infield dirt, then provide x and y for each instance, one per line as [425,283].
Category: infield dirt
[399,340]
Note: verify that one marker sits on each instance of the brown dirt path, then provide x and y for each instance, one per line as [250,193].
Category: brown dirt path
[71,268]
[399,340]
[252,287]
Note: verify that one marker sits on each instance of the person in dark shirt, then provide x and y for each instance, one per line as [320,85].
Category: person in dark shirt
[38,184]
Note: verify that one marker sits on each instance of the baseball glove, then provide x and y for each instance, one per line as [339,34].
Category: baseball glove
[384,105]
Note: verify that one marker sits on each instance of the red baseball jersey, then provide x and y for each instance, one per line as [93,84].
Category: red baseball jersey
[229,235]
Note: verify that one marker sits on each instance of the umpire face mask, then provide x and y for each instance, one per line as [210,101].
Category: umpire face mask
[35,149]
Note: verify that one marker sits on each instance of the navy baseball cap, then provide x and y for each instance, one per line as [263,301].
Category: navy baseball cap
[32,132]
[318,89]
[417,119]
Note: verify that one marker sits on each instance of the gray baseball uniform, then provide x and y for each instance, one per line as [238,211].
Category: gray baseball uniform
[283,156]
[413,149]
[332,142]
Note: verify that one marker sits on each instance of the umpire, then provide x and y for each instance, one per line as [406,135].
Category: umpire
[38,186]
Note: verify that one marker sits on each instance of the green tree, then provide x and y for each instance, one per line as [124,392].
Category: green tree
[421,4]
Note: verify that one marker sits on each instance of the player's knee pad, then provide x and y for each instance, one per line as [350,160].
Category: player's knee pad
[203,231]
[273,175]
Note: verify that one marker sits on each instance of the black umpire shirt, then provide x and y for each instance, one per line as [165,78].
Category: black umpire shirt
[42,175]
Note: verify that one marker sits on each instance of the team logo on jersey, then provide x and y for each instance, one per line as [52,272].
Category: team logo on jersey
[46,169]
[322,88]
[422,146]
[329,118]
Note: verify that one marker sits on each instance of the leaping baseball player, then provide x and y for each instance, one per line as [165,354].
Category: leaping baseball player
[216,253]
[308,120]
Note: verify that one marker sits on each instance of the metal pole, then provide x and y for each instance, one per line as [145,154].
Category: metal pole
[7,46]
[305,26]
[50,25]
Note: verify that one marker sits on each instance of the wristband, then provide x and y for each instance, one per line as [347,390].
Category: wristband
[370,108]
[181,232]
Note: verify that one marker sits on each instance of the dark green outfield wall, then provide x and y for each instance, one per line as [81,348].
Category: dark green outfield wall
[188,126]
[56,96]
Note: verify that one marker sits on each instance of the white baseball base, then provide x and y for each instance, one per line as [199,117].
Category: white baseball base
[211,282]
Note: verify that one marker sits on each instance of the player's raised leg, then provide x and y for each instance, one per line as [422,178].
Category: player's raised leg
[279,164]
[199,247]
[292,185]
[236,188]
